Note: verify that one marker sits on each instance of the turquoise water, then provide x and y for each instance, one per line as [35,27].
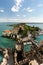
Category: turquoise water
[4,42]
[40,25]
[1,58]
[27,48]
[39,38]
[9,43]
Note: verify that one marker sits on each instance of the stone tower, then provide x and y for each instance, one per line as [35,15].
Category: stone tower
[18,54]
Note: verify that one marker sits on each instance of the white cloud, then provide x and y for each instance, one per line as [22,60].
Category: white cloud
[24,20]
[3,20]
[29,9]
[15,9]
[8,20]
[1,10]
[40,5]
[24,15]
[17,5]
[18,15]
[36,19]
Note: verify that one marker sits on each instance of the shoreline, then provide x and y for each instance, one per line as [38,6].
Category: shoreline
[34,52]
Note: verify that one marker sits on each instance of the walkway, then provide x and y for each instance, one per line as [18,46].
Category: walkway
[10,61]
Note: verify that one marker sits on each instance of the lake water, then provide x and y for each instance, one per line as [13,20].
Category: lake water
[9,43]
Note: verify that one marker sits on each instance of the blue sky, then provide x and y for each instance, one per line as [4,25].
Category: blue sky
[21,10]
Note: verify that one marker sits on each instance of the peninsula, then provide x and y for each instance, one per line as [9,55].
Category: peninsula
[21,30]
[23,33]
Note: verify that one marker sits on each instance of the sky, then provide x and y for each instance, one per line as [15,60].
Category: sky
[21,10]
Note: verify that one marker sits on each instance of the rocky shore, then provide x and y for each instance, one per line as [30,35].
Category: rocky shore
[21,31]
[33,57]
[24,34]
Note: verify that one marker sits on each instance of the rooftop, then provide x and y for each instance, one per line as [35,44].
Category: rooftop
[7,31]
